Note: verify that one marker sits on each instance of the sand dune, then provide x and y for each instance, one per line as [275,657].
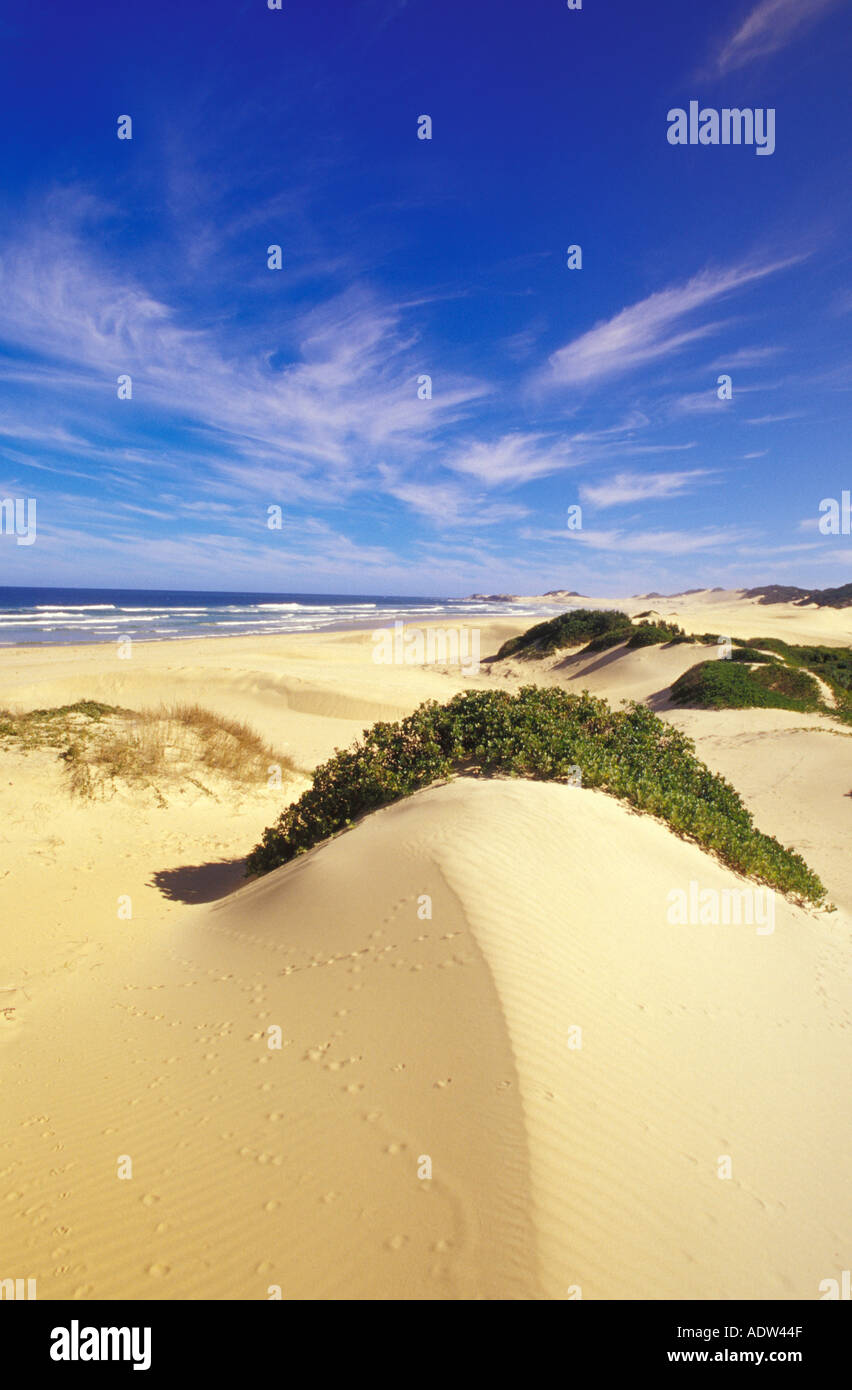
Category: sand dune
[727,612]
[644,673]
[402,1037]
[555,1168]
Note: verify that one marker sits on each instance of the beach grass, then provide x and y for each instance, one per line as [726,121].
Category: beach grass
[102,745]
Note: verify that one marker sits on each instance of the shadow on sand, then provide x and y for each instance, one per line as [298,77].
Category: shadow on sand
[661,700]
[201,883]
[606,659]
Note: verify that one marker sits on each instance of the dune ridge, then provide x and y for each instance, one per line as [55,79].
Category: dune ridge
[555,1168]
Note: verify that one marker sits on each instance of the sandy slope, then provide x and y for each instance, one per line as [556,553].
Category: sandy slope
[553,1166]
[725,611]
[402,1036]
[644,673]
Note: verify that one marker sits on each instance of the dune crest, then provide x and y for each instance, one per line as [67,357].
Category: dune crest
[451,1039]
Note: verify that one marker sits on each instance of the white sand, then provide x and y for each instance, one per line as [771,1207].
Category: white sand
[554,1167]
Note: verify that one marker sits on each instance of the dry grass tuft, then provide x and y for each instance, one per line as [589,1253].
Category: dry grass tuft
[103,746]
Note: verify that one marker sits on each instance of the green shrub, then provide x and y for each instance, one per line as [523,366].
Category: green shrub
[602,643]
[731,685]
[657,633]
[567,630]
[832,664]
[749,654]
[542,733]
[594,629]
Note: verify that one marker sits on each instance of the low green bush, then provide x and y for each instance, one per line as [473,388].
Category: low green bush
[543,733]
[596,628]
[832,664]
[567,630]
[657,634]
[750,654]
[731,685]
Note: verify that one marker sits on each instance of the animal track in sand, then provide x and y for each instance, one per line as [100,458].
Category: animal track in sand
[261,1156]
[345,1062]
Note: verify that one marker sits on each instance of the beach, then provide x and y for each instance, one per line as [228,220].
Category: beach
[457,1052]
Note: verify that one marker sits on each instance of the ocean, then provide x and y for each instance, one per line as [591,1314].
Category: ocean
[59,616]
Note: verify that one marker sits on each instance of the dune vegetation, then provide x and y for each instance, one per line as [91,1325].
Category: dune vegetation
[593,629]
[784,679]
[542,733]
[732,685]
[101,745]
[831,664]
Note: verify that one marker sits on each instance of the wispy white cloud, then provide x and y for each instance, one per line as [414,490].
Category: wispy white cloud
[648,542]
[652,329]
[512,459]
[641,487]
[698,403]
[774,419]
[323,403]
[744,357]
[447,503]
[769,27]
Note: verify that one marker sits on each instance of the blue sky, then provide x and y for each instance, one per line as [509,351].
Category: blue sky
[551,387]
